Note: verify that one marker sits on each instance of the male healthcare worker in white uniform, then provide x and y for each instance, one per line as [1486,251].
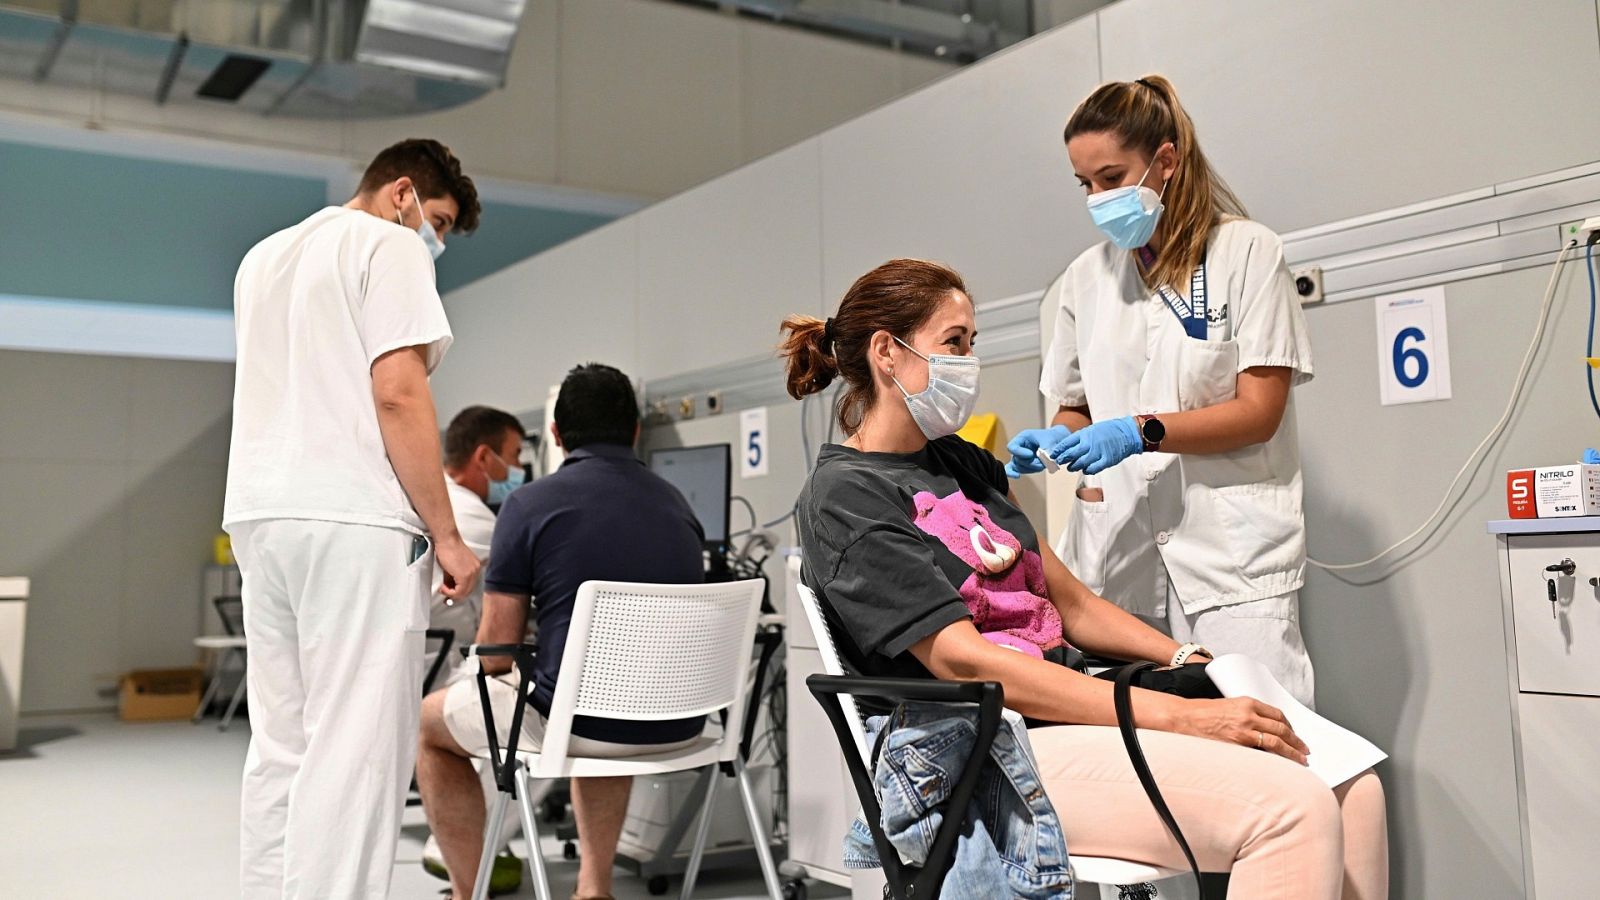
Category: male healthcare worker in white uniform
[1176,343]
[335,489]
[482,448]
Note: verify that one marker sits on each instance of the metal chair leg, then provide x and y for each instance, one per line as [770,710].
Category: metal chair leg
[238,694]
[497,817]
[698,849]
[530,830]
[758,831]
[211,689]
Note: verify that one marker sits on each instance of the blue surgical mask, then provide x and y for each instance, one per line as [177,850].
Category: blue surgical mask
[425,231]
[950,397]
[499,491]
[1128,215]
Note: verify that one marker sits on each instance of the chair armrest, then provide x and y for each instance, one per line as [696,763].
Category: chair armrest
[909,881]
[497,649]
[925,689]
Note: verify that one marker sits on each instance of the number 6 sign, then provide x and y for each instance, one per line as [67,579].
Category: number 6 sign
[1413,347]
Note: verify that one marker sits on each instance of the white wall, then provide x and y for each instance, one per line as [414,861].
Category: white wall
[111,481]
[634,97]
[1315,112]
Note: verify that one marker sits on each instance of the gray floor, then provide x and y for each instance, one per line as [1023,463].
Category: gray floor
[92,807]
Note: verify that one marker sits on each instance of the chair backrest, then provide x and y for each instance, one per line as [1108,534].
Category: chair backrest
[230,609]
[833,665]
[655,652]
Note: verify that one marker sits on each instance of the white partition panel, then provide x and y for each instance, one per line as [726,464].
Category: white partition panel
[518,331]
[970,171]
[1316,112]
[841,80]
[721,265]
[623,128]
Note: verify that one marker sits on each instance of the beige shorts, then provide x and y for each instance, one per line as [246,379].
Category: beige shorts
[463,715]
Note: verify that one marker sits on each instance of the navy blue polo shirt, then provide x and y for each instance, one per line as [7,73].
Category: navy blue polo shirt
[603,516]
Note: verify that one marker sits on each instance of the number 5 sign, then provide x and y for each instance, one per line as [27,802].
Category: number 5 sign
[1413,347]
[752,447]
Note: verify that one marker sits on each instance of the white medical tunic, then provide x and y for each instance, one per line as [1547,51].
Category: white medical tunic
[314,306]
[475,521]
[1226,527]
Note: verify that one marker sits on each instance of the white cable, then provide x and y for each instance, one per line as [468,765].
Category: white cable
[1495,432]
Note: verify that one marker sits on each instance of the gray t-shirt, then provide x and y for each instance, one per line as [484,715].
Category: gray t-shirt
[900,545]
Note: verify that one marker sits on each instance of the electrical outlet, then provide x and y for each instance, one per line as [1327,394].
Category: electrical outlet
[1578,230]
[686,407]
[714,402]
[1308,284]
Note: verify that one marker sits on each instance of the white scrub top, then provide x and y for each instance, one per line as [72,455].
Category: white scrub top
[475,521]
[1224,527]
[314,306]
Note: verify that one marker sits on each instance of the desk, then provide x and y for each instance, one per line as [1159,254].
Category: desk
[1555,696]
[13,623]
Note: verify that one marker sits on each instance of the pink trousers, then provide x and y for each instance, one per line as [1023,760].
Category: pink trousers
[1280,831]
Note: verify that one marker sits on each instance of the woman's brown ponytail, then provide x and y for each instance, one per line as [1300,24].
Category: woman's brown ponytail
[807,347]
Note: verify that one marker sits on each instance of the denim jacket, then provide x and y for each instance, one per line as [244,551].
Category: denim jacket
[1012,839]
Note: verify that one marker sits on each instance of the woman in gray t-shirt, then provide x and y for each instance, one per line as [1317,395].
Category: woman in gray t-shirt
[926,567]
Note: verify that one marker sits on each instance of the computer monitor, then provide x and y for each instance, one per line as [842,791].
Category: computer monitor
[704,476]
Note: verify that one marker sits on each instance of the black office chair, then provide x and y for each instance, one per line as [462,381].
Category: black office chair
[905,881]
[447,638]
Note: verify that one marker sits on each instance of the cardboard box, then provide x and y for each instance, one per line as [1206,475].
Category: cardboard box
[1563,491]
[1519,494]
[150,695]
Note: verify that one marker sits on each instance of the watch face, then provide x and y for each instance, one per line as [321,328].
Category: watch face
[1154,431]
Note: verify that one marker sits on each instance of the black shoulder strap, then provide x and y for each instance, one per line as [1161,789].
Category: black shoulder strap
[1123,701]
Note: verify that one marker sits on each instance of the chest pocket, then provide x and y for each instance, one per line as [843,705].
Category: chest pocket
[1208,373]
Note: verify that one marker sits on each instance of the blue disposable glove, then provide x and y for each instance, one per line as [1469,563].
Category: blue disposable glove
[1591,458]
[1025,446]
[1097,447]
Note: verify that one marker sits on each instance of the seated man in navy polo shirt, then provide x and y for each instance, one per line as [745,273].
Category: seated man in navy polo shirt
[602,516]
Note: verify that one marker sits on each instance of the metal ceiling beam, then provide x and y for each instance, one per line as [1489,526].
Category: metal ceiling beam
[52,51]
[169,72]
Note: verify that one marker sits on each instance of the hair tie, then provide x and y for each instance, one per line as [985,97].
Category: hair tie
[1145,83]
[827,336]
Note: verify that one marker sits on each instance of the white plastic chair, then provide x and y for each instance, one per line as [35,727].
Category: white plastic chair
[644,652]
[1086,869]
[224,647]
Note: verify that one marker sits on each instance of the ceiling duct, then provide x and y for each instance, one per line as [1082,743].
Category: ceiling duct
[960,31]
[298,58]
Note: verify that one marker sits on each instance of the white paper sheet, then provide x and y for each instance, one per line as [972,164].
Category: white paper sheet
[1337,753]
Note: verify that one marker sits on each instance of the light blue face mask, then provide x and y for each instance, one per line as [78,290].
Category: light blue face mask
[1128,215]
[425,231]
[950,397]
[500,491]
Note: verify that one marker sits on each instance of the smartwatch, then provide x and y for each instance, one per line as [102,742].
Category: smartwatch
[1186,651]
[1151,431]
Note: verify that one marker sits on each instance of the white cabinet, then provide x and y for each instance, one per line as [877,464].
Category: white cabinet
[1555,691]
[1560,737]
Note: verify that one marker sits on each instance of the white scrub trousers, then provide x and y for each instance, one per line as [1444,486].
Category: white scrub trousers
[1267,631]
[334,620]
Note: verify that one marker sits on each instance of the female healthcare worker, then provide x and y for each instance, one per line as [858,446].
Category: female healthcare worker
[1176,343]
